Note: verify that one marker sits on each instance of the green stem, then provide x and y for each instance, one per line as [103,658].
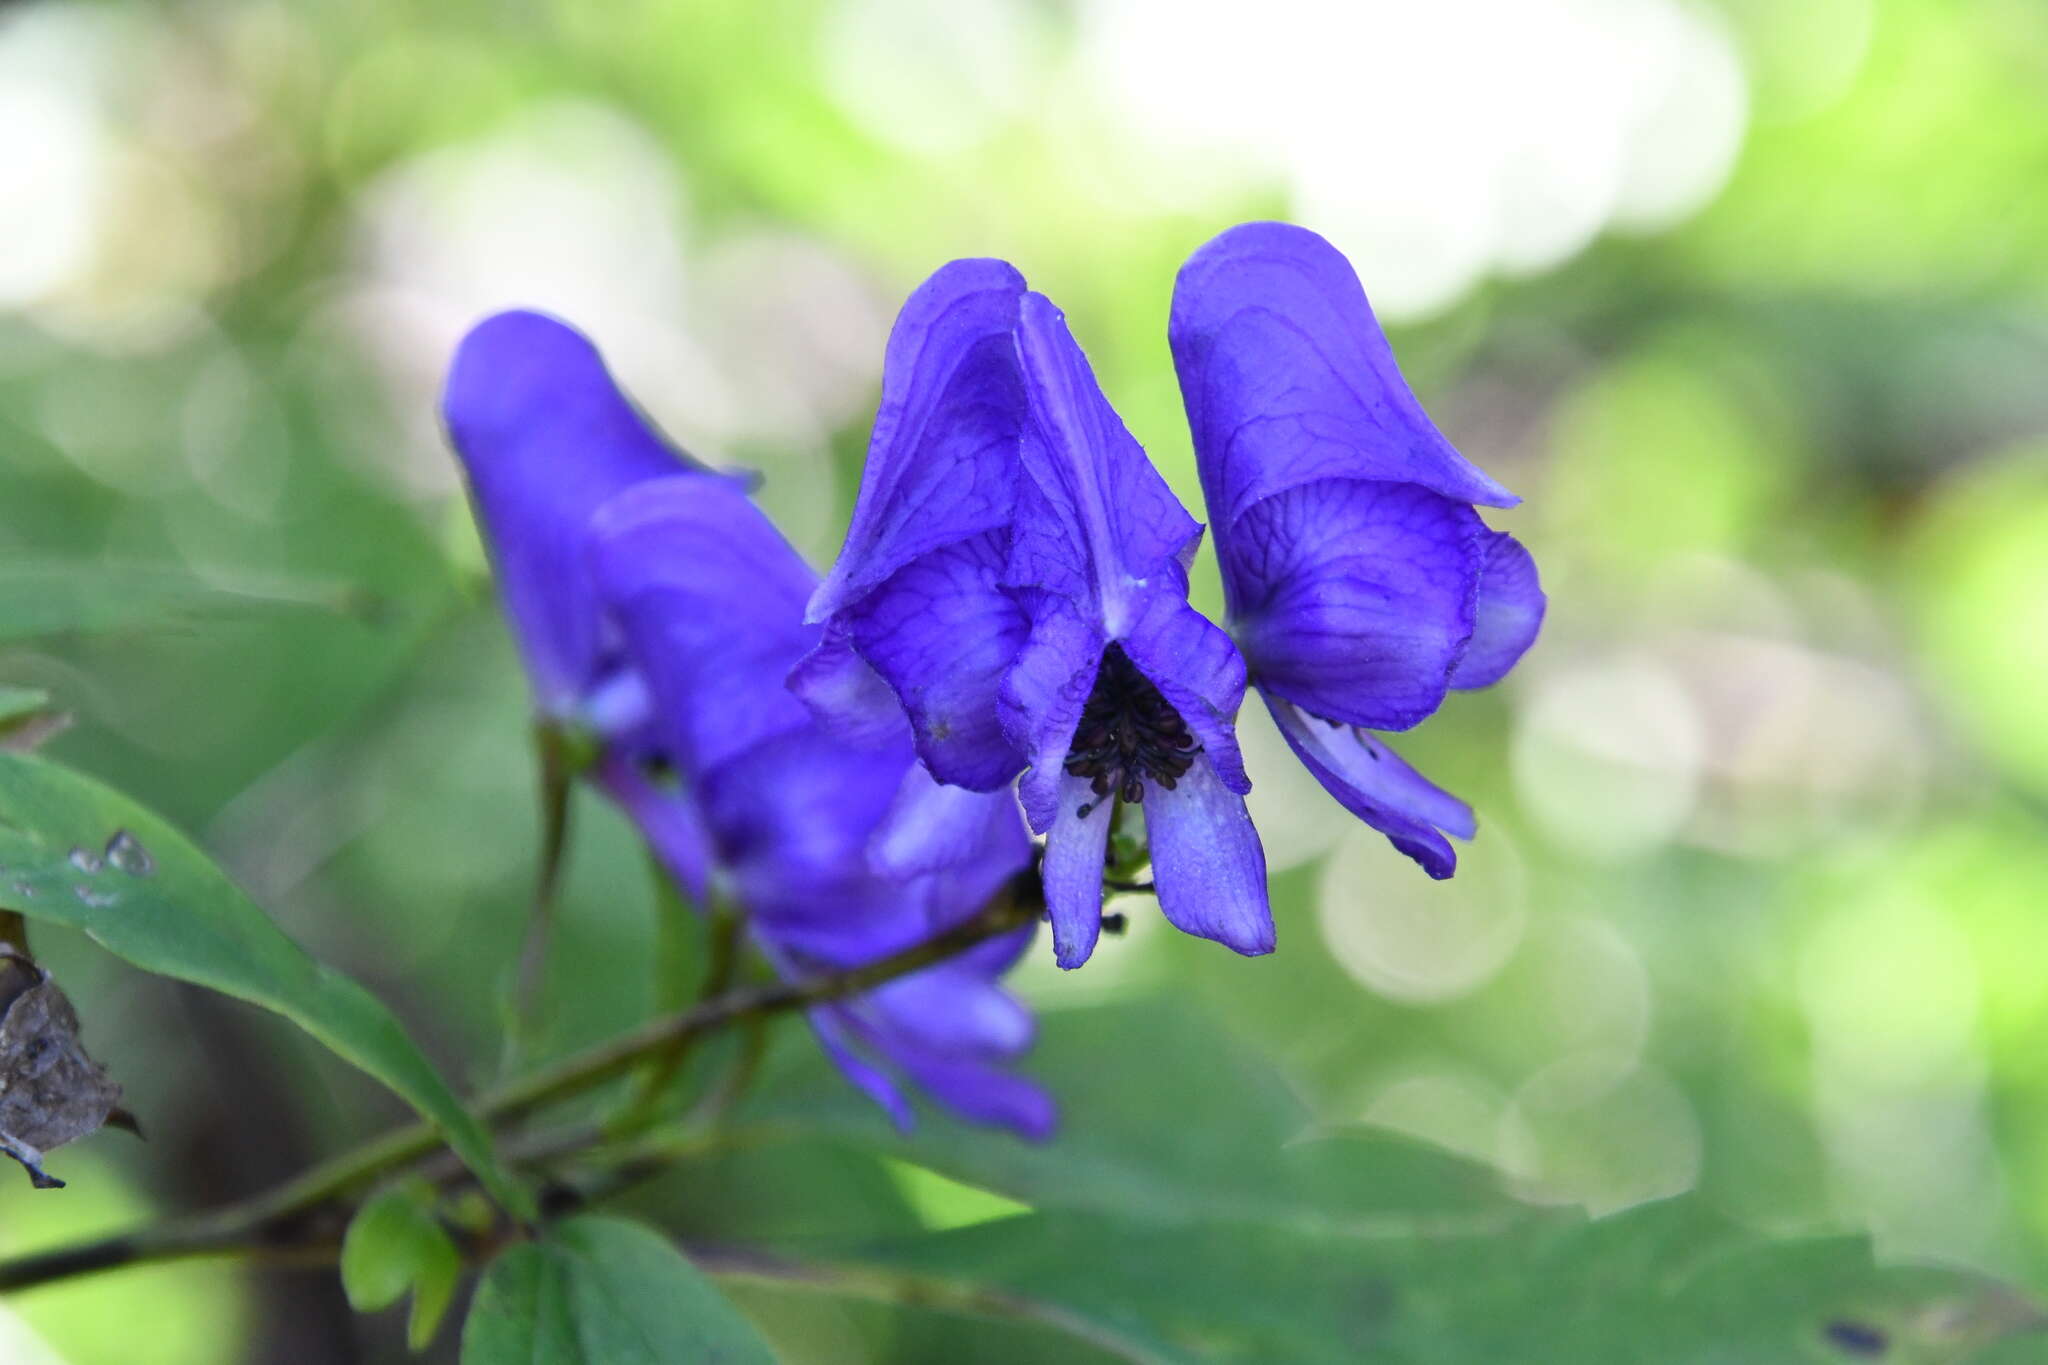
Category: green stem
[557,771]
[676,932]
[289,1218]
[609,1059]
[722,949]
[181,1241]
[732,1083]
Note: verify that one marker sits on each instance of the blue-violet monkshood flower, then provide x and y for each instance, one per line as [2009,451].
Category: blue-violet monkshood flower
[656,606]
[1360,582]
[1016,573]
[545,438]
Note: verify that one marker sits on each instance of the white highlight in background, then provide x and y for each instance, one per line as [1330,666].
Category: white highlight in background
[1434,144]
[1608,757]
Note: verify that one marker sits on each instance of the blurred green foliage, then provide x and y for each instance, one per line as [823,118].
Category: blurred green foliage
[1755,913]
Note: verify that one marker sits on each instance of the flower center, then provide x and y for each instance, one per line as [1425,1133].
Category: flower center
[1129,734]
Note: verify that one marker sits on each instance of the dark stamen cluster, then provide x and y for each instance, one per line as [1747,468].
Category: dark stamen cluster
[1129,734]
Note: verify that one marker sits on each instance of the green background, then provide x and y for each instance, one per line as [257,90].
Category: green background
[1757,908]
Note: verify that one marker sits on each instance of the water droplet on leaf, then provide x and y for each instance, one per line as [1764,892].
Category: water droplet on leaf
[85,860]
[98,900]
[126,853]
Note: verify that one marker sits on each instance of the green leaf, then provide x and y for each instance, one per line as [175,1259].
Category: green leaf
[603,1291]
[1665,1282]
[1162,1116]
[381,1248]
[1190,1210]
[75,852]
[66,598]
[395,1244]
[433,1290]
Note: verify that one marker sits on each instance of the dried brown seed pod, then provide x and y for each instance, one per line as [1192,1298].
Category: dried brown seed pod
[51,1092]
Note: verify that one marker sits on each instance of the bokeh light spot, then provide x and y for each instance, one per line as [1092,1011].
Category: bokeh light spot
[1410,938]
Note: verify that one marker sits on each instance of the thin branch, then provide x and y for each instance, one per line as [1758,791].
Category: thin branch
[288,1219]
[169,1242]
[601,1063]
[744,1264]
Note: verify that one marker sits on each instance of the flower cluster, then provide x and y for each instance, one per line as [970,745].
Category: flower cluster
[657,612]
[1006,626]
[1016,572]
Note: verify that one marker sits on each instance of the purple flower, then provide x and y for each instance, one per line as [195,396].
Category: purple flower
[626,573]
[1016,573]
[1361,584]
[834,848]
[546,439]
[917,591]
